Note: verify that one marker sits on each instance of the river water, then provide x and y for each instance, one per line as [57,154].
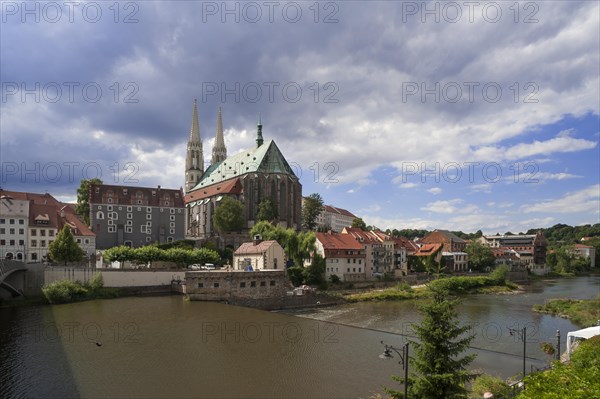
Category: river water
[167,347]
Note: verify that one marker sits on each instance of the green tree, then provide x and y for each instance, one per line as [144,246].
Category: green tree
[315,273]
[480,256]
[267,210]
[229,216]
[313,205]
[64,248]
[359,223]
[118,254]
[438,369]
[83,199]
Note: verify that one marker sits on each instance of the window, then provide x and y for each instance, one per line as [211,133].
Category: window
[21,221]
[272,283]
[360,269]
[172,224]
[178,210]
[12,242]
[200,285]
[130,216]
[110,200]
[21,242]
[86,241]
[129,208]
[2,242]
[216,285]
[128,243]
[111,229]
[148,239]
[172,211]
[162,210]
[149,224]
[143,228]
[263,283]
[129,223]
[22,231]
[124,191]
[109,207]
[11,221]
[128,230]
[2,231]
[139,207]
[172,231]
[252,283]
[110,223]
[2,221]
[42,233]
[120,208]
[169,239]
[34,243]
[148,216]
[78,241]
[12,231]
[172,217]
[99,215]
[243,284]
[148,209]
[43,243]
[33,256]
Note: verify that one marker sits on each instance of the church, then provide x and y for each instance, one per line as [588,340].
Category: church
[250,176]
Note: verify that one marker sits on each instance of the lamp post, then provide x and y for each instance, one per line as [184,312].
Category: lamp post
[387,354]
[523,336]
[557,344]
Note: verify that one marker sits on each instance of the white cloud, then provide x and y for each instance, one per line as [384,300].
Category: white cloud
[585,200]
[435,190]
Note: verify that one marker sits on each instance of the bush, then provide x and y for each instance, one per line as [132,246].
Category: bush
[64,292]
[499,274]
[487,383]
[296,275]
[404,286]
[334,279]
[97,282]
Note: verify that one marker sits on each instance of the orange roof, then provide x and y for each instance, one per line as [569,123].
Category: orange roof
[338,241]
[428,249]
[582,246]
[231,186]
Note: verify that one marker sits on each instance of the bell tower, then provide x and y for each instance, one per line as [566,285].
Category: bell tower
[194,161]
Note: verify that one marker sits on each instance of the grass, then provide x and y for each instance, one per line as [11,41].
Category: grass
[582,312]
[455,285]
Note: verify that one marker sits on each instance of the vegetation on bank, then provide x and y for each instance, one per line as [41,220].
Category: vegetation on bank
[582,312]
[151,253]
[578,379]
[66,291]
[493,283]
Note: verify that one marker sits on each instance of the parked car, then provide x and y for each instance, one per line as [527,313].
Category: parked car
[194,267]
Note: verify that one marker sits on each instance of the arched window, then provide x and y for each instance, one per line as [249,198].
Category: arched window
[282,202]
[99,215]
[19,256]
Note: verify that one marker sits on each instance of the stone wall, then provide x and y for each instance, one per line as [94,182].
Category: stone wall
[115,277]
[236,286]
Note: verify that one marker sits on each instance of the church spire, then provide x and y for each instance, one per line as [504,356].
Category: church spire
[194,162]
[219,152]
[195,129]
[259,137]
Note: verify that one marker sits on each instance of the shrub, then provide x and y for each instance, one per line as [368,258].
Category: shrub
[487,383]
[334,279]
[64,292]
[97,282]
[499,274]
[296,275]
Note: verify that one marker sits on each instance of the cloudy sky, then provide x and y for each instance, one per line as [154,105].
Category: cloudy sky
[452,115]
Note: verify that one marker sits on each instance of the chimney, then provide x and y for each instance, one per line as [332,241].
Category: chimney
[257,239]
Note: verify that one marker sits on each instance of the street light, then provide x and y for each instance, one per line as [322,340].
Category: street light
[523,336]
[387,354]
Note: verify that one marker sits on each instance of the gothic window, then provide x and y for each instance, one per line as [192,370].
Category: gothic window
[99,215]
[282,202]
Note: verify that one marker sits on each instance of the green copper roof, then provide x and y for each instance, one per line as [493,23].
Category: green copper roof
[264,159]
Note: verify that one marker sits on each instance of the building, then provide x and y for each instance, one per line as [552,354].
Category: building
[135,216]
[403,248]
[450,241]
[29,222]
[344,256]
[456,261]
[530,248]
[584,251]
[380,250]
[334,219]
[250,176]
[259,255]
[14,222]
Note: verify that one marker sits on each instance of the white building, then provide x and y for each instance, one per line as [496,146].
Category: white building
[334,219]
[14,218]
[259,255]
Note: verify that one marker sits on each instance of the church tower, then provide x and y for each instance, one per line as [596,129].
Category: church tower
[219,152]
[194,162]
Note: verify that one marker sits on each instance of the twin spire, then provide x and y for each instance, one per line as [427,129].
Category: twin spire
[194,168]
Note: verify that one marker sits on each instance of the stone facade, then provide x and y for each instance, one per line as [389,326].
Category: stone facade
[235,286]
[251,176]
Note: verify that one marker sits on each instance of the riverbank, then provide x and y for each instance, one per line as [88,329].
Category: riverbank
[464,285]
[583,312]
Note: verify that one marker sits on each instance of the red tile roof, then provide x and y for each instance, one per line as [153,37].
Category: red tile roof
[428,249]
[338,241]
[231,186]
[340,211]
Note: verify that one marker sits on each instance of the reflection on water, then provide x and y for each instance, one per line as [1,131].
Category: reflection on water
[166,347]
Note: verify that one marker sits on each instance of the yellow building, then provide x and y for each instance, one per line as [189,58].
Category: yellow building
[259,255]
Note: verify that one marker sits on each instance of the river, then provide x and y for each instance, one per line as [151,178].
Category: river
[167,347]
